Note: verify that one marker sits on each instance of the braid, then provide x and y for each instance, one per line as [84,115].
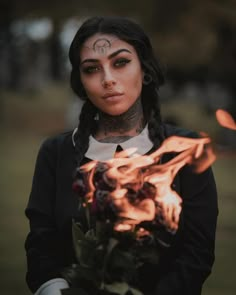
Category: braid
[85,129]
[152,111]
[155,126]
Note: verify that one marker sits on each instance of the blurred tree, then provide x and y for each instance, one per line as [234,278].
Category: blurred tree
[55,53]
[8,74]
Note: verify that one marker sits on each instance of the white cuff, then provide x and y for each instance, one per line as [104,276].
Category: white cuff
[52,287]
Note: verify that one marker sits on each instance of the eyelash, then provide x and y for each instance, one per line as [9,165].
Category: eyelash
[90,69]
[120,62]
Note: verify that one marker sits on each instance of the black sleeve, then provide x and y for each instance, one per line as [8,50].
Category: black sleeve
[195,258]
[42,243]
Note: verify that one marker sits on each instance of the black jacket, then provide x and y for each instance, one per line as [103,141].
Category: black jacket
[183,267]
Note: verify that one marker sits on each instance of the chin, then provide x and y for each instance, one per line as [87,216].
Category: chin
[115,112]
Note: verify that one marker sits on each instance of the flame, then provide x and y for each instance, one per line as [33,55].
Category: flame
[130,171]
[150,181]
[225,119]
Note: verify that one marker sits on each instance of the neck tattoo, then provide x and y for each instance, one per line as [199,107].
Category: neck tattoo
[132,120]
[115,139]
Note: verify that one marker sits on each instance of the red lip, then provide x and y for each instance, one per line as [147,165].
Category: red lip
[111,94]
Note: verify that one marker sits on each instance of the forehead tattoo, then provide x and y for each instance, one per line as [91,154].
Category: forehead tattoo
[101,45]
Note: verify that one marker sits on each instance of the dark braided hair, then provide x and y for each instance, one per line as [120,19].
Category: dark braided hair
[132,33]
[87,115]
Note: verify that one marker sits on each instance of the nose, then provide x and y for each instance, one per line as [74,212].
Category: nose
[108,80]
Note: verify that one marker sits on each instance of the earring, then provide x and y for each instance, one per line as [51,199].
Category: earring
[96,117]
[147,79]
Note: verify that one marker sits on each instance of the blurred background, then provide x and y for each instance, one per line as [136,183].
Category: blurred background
[196,44]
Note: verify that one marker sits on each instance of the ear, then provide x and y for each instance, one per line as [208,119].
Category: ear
[147,78]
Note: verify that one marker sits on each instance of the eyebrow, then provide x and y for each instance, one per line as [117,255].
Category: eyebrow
[109,56]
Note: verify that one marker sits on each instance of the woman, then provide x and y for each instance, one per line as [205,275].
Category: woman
[114,70]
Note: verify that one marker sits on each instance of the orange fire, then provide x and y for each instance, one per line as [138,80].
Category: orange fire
[130,170]
[225,119]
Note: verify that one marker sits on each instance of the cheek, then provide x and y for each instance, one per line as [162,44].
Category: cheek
[133,89]
[137,76]
[137,82]
[90,85]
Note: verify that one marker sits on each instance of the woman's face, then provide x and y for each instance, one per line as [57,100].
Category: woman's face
[111,73]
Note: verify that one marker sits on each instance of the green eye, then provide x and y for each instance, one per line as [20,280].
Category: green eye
[91,69]
[122,62]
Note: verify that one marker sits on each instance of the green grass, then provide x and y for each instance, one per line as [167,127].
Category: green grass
[18,150]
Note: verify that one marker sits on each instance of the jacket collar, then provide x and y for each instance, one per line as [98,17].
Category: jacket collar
[102,151]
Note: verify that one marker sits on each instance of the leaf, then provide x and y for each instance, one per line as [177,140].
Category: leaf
[87,252]
[122,259]
[86,273]
[84,244]
[111,245]
[90,235]
[121,288]
[103,231]
[136,291]
[149,255]
[120,266]
[117,287]
[77,235]
[79,276]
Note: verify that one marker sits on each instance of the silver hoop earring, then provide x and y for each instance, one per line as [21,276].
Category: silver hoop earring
[147,79]
[96,118]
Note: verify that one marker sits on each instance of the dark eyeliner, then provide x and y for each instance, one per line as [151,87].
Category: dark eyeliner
[122,61]
[89,69]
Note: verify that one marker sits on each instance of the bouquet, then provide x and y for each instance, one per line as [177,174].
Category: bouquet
[131,211]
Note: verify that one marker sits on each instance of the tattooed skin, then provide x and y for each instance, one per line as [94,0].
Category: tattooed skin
[132,120]
[115,139]
[101,45]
